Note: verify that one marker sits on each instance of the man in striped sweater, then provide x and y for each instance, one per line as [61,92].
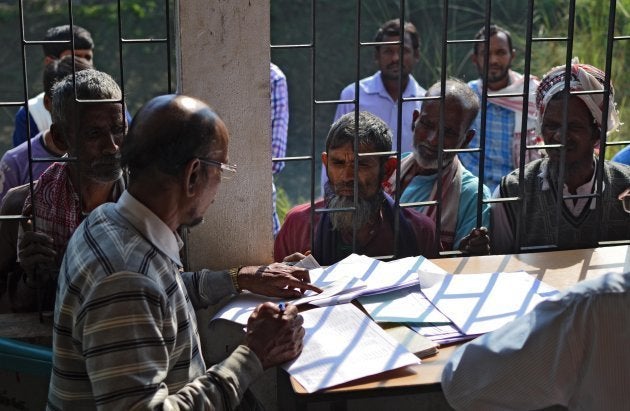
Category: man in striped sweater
[125,333]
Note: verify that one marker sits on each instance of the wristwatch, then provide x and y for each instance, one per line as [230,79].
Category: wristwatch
[234,277]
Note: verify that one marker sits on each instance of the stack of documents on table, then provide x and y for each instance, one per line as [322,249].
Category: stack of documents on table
[451,308]
[342,282]
[343,344]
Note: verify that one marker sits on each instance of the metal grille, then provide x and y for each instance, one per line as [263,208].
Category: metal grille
[125,51]
[309,157]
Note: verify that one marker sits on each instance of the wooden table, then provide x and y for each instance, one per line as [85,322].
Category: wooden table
[560,269]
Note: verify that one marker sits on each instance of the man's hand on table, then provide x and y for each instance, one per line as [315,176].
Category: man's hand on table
[276,280]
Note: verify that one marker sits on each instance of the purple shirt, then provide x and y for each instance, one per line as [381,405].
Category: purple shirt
[14,164]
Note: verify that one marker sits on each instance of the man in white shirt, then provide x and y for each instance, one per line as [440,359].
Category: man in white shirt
[571,350]
[379,93]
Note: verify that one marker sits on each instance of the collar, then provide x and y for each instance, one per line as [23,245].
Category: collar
[586,188]
[374,85]
[150,226]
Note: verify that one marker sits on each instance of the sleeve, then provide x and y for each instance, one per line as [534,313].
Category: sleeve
[346,94]
[207,287]
[129,333]
[501,236]
[11,205]
[279,120]
[8,174]
[19,132]
[527,364]
[294,237]
[467,213]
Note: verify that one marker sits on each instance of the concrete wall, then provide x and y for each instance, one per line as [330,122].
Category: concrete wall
[223,58]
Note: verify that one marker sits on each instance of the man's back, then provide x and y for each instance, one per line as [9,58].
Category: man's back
[571,350]
[103,284]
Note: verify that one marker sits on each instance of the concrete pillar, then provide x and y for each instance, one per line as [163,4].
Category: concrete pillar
[223,58]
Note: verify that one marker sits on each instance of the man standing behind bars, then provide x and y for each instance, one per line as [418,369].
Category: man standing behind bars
[419,172]
[577,224]
[503,114]
[39,116]
[66,191]
[379,93]
[375,213]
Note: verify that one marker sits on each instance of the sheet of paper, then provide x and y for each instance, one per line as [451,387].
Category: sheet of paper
[404,306]
[378,276]
[343,344]
[480,303]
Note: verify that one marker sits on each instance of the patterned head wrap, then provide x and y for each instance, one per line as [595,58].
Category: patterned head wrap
[584,77]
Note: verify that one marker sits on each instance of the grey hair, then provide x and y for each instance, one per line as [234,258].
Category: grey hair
[372,131]
[457,89]
[90,85]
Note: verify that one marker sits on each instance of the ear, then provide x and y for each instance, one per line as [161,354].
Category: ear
[325,159]
[48,103]
[390,168]
[513,55]
[473,58]
[415,117]
[58,137]
[469,136]
[48,60]
[193,178]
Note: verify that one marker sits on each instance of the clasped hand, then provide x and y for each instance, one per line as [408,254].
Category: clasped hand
[275,336]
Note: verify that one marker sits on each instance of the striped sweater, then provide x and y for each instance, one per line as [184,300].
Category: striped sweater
[125,333]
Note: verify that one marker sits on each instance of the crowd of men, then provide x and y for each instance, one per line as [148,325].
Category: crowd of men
[99,244]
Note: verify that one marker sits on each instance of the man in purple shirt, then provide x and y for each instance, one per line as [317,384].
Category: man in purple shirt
[14,166]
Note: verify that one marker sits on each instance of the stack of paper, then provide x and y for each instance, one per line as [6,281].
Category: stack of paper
[480,303]
[343,344]
[342,282]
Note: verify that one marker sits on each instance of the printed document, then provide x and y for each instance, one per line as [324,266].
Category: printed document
[343,344]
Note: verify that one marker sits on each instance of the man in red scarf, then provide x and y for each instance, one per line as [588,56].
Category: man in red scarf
[91,133]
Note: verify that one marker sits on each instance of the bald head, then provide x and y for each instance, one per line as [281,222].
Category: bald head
[169,131]
[457,93]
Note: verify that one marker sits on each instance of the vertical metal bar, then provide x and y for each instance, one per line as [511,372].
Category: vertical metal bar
[167,13]
[484,109]
[565,113]
[399,113]
[521,169]
[440,164]
[357,99]
[312,103]
[599,170]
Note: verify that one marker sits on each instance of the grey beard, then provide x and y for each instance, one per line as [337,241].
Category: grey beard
[363,215]
[427,164]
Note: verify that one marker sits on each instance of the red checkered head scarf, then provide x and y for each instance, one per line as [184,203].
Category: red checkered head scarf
[584,77]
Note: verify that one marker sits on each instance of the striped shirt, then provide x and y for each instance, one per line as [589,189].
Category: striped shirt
[279,129]
[571,350]
[125,333]
[499,136]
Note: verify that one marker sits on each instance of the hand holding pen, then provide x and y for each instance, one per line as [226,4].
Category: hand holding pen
[275,333]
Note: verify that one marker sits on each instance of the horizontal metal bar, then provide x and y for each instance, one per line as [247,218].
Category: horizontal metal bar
[292,46]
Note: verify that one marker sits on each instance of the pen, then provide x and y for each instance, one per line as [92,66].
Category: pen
[282,307]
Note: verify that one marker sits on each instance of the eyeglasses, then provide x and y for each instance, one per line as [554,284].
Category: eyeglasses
[231,168]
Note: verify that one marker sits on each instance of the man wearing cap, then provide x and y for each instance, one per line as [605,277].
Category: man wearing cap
[578,225]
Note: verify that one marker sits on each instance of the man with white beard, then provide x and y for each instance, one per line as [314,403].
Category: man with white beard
[420,171]
[374,218]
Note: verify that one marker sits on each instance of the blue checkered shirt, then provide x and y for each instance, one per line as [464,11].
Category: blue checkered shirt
[499,136]
[279,128]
